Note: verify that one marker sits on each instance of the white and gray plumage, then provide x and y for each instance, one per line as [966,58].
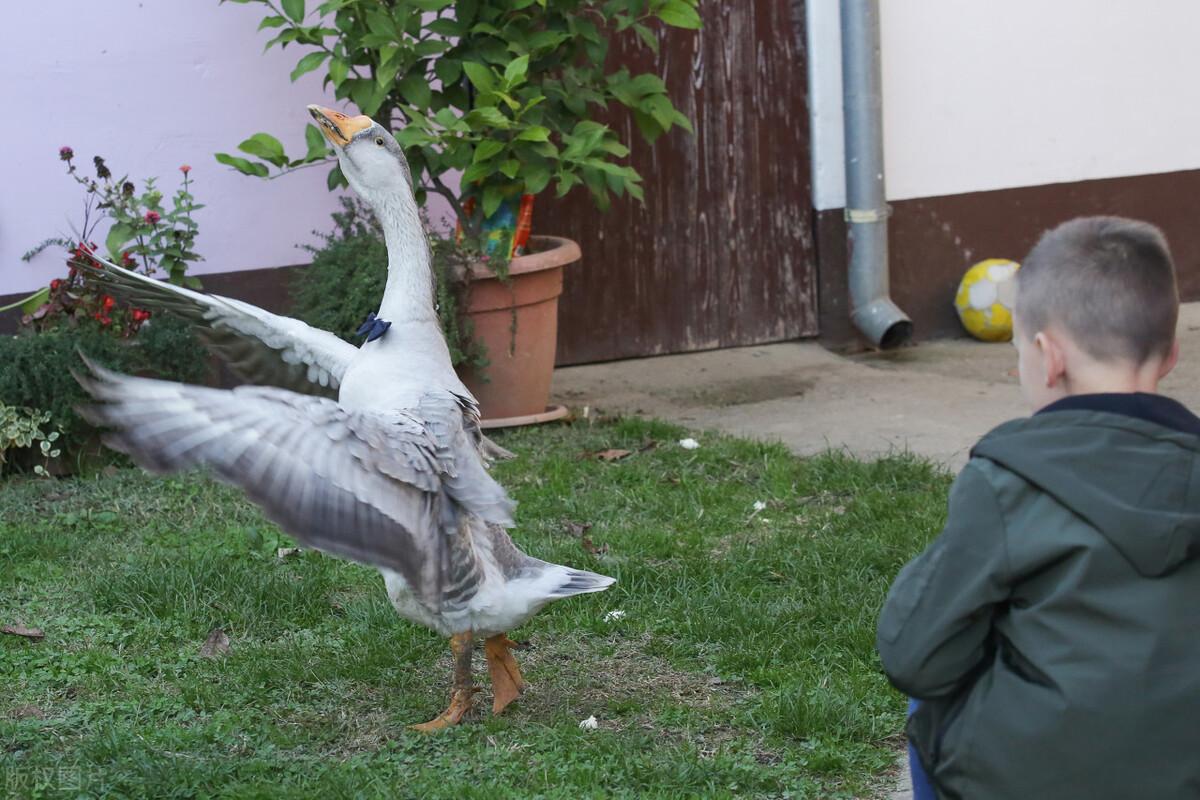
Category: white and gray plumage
[391,474]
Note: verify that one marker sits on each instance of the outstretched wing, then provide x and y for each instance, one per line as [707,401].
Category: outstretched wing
[380,489]
[260,347]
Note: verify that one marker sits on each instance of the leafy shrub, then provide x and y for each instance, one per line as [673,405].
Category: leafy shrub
[349,270]
[35,369]
[29,433]
[507,91]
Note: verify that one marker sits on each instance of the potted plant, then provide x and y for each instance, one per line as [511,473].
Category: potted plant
[505,95]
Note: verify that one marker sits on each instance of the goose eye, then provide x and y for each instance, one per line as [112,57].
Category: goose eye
[379,141]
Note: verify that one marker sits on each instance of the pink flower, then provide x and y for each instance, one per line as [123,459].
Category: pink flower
[66,153]
[185,169]
[152,217]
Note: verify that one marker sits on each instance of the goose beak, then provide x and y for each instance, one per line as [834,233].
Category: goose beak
[338,128]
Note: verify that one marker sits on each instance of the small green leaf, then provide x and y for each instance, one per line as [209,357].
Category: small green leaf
[412,136]
[679,14]
[481,118]
[510,168]
[534,133]
[446,27]
[537,176]
[492,198]
[243,166]
[416,91]
[273,21]
[480,76]
[335,178]
[448,70]
[309,63]
[266,147]
[316,143]
[647,36]
[566,182]
[446,117]
[475,172]
[118,235]
[338,70]
[431,47]
[294,9]
[516,70]
[486,149]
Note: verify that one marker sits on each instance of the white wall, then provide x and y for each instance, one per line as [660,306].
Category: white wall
[991,95]
[151,85]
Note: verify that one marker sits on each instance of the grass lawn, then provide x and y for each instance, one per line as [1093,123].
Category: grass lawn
[743,665]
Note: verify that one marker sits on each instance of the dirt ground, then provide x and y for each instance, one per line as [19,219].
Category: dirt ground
[935,399]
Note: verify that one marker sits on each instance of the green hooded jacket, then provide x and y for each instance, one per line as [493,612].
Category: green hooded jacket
[1052,631]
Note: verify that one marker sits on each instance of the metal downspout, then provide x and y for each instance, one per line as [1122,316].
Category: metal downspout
[871,309]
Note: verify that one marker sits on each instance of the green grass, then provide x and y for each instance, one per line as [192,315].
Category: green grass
[744,664]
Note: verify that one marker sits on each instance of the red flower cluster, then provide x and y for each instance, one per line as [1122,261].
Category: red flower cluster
[127,260]
[139,316]
[152,217]
[185,169]
[106,307]
[66,153]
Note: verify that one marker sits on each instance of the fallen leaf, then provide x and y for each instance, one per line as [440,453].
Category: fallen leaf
[589,724]
[36,634]
[590,547]
[284,552]
[217,644]
[648,445]
[28,712]
[613,454]
[689,444]
[614,615]
[578,529]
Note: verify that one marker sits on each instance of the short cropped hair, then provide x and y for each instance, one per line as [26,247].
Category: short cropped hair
[1108,282]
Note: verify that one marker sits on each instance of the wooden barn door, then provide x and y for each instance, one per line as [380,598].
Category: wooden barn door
[721,254]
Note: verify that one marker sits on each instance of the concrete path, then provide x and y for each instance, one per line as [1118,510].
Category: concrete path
[935,400]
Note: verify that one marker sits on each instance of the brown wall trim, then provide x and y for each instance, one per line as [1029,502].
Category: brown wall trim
[934,240]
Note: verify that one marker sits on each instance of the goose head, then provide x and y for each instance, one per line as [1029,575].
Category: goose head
[370,158]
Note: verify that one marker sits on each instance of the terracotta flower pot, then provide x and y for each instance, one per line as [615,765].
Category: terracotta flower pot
[514,388]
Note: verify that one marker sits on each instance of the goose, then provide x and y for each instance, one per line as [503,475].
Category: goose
[373,454]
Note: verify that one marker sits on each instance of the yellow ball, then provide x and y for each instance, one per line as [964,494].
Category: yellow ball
[985,299]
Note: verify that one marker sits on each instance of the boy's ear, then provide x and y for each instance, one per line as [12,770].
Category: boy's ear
[1054,359]
[1170,361]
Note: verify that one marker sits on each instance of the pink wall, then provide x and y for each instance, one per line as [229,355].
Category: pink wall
[150,85]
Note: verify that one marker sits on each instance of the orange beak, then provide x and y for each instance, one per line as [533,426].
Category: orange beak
[338,128]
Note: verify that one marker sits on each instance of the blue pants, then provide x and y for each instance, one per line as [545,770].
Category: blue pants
[922,788]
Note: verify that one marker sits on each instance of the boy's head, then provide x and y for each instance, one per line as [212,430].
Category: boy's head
[1096,310]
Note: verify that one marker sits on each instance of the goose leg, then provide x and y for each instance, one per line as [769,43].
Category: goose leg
[507,682]
[463,695]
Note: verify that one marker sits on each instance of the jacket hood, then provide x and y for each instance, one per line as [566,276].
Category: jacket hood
[1125,463]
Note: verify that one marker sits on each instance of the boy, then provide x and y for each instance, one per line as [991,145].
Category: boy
[1052,632]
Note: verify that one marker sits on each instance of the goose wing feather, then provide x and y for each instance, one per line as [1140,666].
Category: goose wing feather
[382,489]
[260,347]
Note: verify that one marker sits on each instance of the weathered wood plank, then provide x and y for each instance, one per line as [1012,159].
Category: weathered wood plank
[722,252]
